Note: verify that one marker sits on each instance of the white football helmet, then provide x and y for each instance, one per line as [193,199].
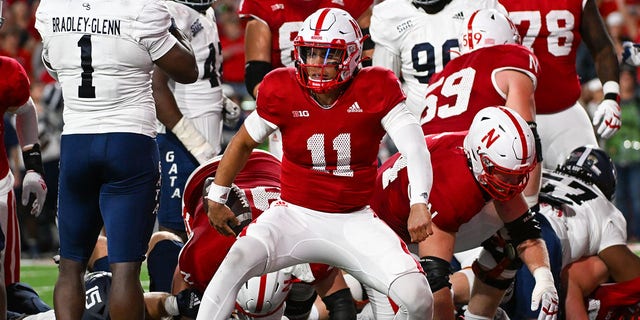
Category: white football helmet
[501,150]
[263,296]
[486,28]
[329,38]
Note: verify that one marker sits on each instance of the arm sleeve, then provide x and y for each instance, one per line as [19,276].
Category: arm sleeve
[404,130]
[27,124]
[258,128]
[385,58]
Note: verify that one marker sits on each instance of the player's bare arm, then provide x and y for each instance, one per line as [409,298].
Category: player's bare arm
[233,160]
[257,49]
[179,62]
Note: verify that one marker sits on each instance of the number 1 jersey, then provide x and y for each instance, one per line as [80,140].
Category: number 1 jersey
[103,53]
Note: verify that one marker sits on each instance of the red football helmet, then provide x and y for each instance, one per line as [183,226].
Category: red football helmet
[329,40]
[501,149]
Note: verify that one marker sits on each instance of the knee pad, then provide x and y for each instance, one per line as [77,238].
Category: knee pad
[340,305]
[438,271]
[300,301]
[22,298]
[497,264]
[161,264]
[412,293]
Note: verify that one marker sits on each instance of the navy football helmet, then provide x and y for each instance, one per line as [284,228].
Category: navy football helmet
[198,5]
[592,165]
[97,286]
[431,6]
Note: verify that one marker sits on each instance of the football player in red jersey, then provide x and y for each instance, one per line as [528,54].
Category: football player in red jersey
[15,99]
[491,162]
[258,185]
[493,69]
[270,29]
[332,116]
[553,30]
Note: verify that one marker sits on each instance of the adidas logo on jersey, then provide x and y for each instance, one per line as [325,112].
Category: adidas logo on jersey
[459,15]
[355,107]
[277,6]
[338,2]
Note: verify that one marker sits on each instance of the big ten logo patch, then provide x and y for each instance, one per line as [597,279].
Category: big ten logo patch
[172,175]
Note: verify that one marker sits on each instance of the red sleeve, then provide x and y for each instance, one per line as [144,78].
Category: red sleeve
[381,86]
[270,96]
[254,9]
[14,84]
[519,57]
[357,7]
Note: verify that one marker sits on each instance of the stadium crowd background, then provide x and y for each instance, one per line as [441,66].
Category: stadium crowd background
[20,40]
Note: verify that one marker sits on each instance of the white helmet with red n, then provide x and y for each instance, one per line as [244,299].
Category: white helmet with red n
[486,28]
[501,150]
[265,295]
[334,39]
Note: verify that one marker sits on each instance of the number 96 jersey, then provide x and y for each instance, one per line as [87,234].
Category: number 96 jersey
[103,53]
[423,42]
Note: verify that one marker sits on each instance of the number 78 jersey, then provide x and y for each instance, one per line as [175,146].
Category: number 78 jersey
[103,53]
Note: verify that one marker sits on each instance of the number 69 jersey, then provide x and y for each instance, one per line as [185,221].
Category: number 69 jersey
[467,85]
[102,52]
[585,221]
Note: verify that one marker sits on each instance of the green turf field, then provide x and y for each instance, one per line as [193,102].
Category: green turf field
[42,277]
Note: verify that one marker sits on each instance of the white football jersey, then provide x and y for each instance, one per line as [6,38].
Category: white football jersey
[103,53]
[587,222]
[423,43]
[203,97]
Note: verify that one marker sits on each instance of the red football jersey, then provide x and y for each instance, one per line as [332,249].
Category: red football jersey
[552,29]
[329,154]
[206,248]
[14,92]
[466,85]
[284,18]
[455,195]
[202,254]
[619,300]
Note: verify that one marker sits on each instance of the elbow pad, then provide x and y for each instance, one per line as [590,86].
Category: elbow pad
[254,72]
[523,228]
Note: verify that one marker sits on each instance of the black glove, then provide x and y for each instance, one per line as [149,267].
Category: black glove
[189,302]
